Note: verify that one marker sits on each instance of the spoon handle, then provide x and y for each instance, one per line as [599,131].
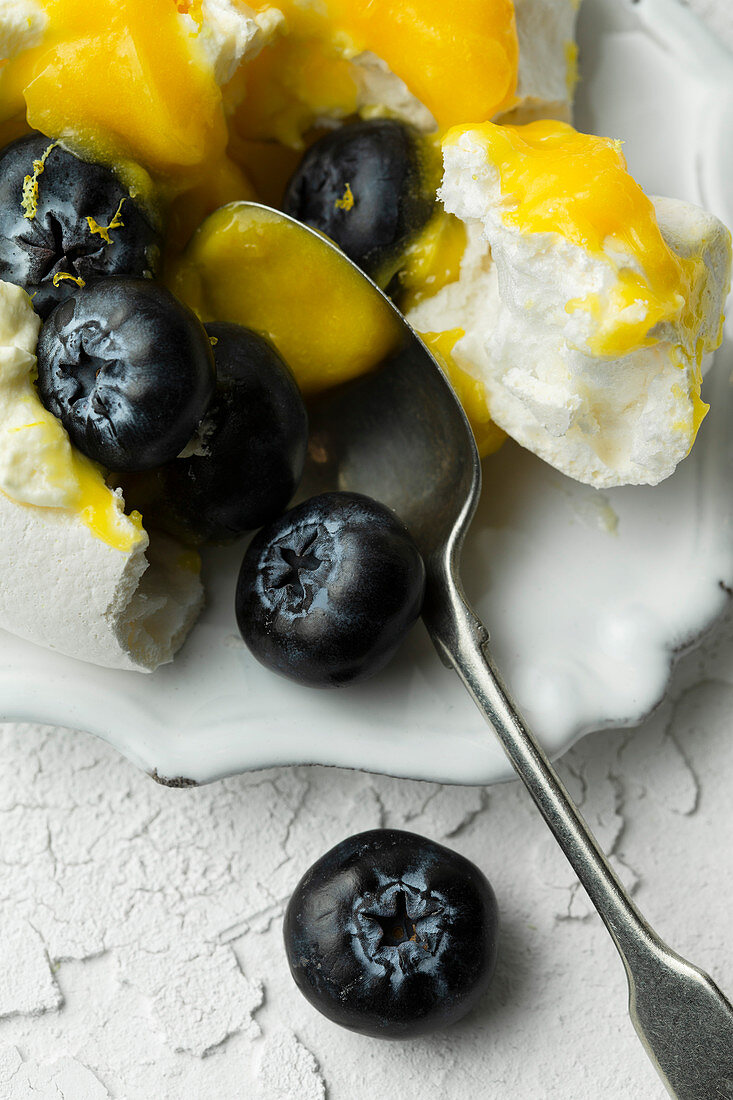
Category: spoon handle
[681,1017]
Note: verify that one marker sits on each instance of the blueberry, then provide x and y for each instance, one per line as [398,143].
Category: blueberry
[254,440]
[128,370]
[328,591]
[64,222]
[392,935]
[367,186]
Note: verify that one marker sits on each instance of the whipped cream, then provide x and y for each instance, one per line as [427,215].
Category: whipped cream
[36,458]
[602,419]
[22,23]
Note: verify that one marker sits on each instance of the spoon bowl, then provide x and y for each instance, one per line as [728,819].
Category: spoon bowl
[399,435]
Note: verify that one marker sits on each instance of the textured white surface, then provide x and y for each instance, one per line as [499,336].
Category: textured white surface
[155,913]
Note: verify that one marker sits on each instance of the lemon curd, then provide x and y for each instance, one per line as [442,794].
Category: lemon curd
[256,268]
[119,81]
[306,74]
[432,260]
[80,485]
[99,509]
[128,79]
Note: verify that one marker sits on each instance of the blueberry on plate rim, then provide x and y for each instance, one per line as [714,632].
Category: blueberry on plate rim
[392,935]
[249,461]
[328,591]
[366,185]
[65,221]
[128,370]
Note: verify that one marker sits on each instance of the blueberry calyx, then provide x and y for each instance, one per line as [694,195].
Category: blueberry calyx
[297,566]
[400,924]
[299,570]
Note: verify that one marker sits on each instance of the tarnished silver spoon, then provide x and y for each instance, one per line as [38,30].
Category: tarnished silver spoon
[400,435]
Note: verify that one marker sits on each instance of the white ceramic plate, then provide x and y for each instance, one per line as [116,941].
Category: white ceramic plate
[588,596]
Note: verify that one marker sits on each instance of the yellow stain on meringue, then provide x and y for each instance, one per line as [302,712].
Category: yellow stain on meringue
[76,483]
[99,509]
[469,390]
[572,72]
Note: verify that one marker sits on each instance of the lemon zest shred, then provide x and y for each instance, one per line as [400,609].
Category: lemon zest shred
[346,202]
[29,198]
[103,230]
[61,275]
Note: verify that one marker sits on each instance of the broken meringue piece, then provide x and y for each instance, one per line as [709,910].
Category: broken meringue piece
[587,308]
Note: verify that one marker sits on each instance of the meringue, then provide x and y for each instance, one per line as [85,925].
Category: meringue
[590,337]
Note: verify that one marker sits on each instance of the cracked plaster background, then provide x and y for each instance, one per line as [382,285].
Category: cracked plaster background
[140,954]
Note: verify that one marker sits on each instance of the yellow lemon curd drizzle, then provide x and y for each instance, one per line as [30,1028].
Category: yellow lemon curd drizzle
[432,260]
[254,267]
[556,180]
[128,79]
[80,483]
[98,510]
[469,390]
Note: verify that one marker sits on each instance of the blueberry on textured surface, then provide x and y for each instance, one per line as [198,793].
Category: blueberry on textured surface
[327,592]
[366,186]
[254,440]
[128,370]
[64,222]
[392,935]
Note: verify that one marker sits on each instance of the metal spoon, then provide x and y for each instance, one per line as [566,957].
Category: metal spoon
[400,435]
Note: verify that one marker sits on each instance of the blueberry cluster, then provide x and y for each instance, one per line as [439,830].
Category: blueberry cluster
[205,425]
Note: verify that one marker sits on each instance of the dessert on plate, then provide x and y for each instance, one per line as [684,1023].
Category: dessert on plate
[433,144]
